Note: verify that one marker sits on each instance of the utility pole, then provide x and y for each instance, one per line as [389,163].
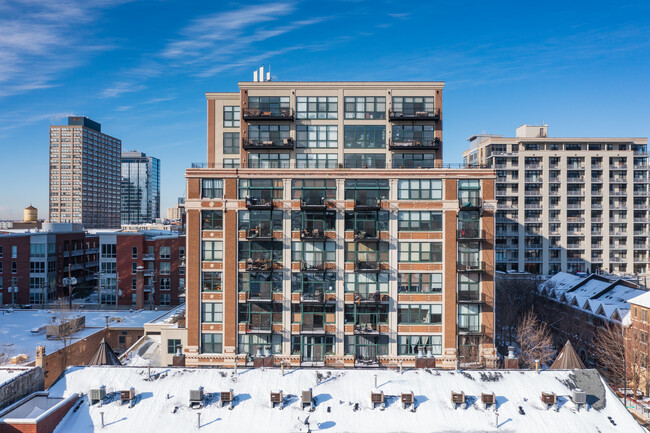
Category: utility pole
[117,288]
[70,278]
[99,294]
[43,292]
[624,369]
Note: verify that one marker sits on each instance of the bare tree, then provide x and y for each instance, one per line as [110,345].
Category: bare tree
[6,353]
[534,340]
[622,354]
[63,327]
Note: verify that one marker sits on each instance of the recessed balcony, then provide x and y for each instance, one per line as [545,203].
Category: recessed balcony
[261,114]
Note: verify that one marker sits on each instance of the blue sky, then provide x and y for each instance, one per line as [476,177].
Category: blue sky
[141,69]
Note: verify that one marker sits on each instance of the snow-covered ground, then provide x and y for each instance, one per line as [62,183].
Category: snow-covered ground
[16,328]
[342,399]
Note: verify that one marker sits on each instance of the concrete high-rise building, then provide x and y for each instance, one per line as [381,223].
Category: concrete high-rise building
[567,204]
[84,175]
[324,229]
[140,188]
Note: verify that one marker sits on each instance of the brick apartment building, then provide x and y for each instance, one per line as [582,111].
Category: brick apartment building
[151,260]
[324,229]
[36,263]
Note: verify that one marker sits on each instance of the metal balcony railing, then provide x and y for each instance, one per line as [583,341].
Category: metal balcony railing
[274,143]
[268,114]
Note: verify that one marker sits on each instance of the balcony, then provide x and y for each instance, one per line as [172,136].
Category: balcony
[312,297]
[470,203]
[367,204]
[312,234]
[312,324]
[367,266]
[148,257]
[470,296]
[316,265]
[259,265]
[262,232]
[470,266]
[369,296]
[270,114]
[471,329]
[416,143]
[470,233]
[414,114]
[272,144]
[260,200]
[368,328]
[368,233]
[313,200]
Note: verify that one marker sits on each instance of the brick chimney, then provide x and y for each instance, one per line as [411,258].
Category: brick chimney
[40,357]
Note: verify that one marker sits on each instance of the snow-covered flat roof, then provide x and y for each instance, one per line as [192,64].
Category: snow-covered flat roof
[8,374]
[342,401]
[22,330]
[641,300]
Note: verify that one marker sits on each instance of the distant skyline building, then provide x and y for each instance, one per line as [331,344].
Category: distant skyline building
[84,174]
[140,188]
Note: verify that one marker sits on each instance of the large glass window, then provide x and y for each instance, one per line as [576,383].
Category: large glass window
[231,116]
[469,319]
[469,255]
[212,220]
[366,316]
[469,192]
[317,136]
[428,221]
[313,348]
[366,189]
[260,284]
[413,160]
[211,343]
[260,188]
[408,344]
[313,282]
[366,284]
[211,312]
[260,219]
[412,105]
[313,255]
[273,105]
[261,252]
[316,107]
[268,160]
[366,348]
[231,142]
[425,314]
[469,286]
[365,136]
[212,250]
[250,343]
[364,160]
[365,107]
[419,283]
[317,160]
[212,188]
[430,252]
[367,224]
[420,189]
[313,222]
[313,317]
[260,316]
[211,282]
[267,135]
[173,345]
[313,191]
[414,135]
[366,251]
[109,251]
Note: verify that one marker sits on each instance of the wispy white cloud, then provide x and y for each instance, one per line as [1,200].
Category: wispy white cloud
[40,39]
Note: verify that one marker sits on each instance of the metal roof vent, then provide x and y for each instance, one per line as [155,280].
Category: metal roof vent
[579,398]
[196,398]
[458,399]
[377,399]
[488,399]
[277,400]
[549,399]
[307,400]
[97,394]
[227,398]
[408,400]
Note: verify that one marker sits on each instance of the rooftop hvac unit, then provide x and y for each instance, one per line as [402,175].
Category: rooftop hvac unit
[488,399]
[307,400]
[408,400]
[549,399]
[97,394]
[196,398]
[276,399]
[458,399]
[579,398]
[377,399]
[128,395]
[227,398]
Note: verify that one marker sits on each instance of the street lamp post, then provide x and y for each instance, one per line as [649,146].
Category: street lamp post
[624,368]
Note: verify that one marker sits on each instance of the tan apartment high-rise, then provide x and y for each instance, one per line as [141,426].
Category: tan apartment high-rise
[567,204]
[324,229]
[84,175]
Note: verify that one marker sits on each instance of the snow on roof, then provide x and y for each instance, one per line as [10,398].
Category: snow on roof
[560,282]
[22,330]
[7,374]
[170,316]
[595,294]
[641,300]
[342,400]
